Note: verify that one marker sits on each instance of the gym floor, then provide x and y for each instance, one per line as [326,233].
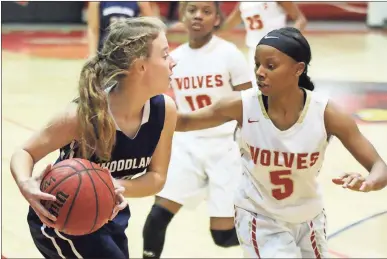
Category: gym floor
[41,66]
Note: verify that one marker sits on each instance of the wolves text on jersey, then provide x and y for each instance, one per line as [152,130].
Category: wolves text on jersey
[284,159]
[197,82]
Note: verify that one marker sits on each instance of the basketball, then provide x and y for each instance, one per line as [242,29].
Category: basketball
[84,194]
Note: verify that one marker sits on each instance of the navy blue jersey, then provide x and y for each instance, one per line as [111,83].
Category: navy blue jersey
[130,156]
[110,11]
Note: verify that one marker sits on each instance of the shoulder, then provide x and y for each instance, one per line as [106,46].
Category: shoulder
[69,115]
[65,123]
[225,44]
[319,98]
[230,51]
[170,113]
[337,121]
[170,105]
[164,105]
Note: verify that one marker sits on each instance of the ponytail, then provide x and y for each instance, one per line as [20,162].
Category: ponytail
[96,126]
[127,40]
[305,81]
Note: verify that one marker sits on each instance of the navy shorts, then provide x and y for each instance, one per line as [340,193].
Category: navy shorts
[109,241]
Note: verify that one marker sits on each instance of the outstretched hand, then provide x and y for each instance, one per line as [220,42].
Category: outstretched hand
[355,182]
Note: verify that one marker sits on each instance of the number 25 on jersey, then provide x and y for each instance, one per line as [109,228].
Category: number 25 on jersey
[254,22]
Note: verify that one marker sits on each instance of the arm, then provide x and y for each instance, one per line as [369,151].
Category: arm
[59,131]
[295,14]
[93,27]
[227,109]
[147,9]
[232,20]
[345,129]
[153,181]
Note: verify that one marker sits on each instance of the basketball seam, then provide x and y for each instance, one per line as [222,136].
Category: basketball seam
[53,169]
[79,173]
[96,205]
[79,162]
[61,181]
[114,201]
[56,185]
[73,201]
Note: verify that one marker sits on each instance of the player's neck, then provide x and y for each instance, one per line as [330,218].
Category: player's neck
[289,102]
[127,101]
[198,43]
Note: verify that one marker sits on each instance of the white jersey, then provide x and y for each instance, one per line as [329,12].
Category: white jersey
[260,18]
[202,76]
[281,170]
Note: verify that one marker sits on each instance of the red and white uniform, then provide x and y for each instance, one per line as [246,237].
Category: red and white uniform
[279,208]
[259,19]
[205,162]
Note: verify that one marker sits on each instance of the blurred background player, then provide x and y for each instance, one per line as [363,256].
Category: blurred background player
[259,18]
[119,118]
[101,15]
[279,207]
[208,68]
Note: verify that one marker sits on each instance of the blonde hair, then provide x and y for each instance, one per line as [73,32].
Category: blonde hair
[126,41]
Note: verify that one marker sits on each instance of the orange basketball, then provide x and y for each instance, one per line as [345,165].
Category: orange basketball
[84,196]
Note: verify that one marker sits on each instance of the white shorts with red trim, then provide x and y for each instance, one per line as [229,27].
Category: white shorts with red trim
[264,237]
[204,169]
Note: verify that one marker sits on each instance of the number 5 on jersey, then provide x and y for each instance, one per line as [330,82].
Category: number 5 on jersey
[281,178]
[198,102]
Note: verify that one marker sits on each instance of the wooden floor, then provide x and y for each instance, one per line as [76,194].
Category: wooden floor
[352,64]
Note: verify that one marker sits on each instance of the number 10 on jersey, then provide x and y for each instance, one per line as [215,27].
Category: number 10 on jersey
[198,102]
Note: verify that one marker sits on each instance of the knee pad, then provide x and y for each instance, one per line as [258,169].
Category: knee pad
[225,238]
[154,231]
[158,219]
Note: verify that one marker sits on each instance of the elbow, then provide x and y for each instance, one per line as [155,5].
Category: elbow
[21,153]
[159,183]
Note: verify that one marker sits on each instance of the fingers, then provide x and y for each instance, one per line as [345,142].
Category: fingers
[337,181]
[45,196]
[119,190]
[46,217]
[352,181]
[355,182]
[340,179]
[122,204]
[45,220]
